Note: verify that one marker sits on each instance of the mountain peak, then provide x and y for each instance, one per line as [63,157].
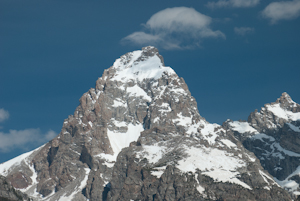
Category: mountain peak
[150,50]
[276,114]
[140,124]
[139,65]
[286,101]
[272,134]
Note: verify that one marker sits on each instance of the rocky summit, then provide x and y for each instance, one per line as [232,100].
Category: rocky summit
[138,135]
[273,135]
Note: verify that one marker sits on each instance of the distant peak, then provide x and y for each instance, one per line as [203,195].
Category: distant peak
[285,98]
[285,102]
[285,95]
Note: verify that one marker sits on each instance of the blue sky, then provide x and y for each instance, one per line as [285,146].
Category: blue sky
[235,56]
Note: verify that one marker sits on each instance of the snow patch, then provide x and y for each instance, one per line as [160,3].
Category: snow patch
[294,128]
[287,152]
[118,123]
[290,185]
[262,136]
[109,159]
[158,171]
[209,132]
[266,177]
[153,153]
[178,91]
[193,129]
[165,107]
[276,149]
[147,68]
[242,127]
[282,113]
[199,188]
[182,120]
[119,103]
[250,158]
[78,189]
[137,91]
[118,141]
[214,163]
[228,143]
[7,166]
[156,119]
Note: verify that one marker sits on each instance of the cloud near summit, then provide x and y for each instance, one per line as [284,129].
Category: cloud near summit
[175,28]
[24,138]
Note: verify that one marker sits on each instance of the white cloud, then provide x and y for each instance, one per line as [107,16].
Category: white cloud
[142,37]
[50,135]
[175,28]
[233,3]
[24,138]
[243,30]
[3,115]
[283,10]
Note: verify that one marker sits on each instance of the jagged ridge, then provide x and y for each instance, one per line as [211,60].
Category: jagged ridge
[272,134]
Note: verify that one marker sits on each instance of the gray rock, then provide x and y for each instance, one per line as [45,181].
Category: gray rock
[275,139]
[9,193]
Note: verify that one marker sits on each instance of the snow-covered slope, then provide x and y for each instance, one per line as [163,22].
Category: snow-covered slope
[273,134]
[209,165]
[133,135]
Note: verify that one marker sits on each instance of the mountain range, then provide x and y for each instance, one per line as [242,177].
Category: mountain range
[138,135]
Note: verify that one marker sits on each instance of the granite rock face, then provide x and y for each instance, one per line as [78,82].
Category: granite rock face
[138,135]
[8,193]
[162,167]
[273,135]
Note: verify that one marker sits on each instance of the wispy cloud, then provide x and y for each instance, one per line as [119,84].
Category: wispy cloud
[232,3]
[3,115]
[175,28]
[283,10]
[24,138]
[242,31]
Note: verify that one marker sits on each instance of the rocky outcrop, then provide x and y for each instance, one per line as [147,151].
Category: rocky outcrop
[8,193]
[138,135]
[145,171]
[273,135]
